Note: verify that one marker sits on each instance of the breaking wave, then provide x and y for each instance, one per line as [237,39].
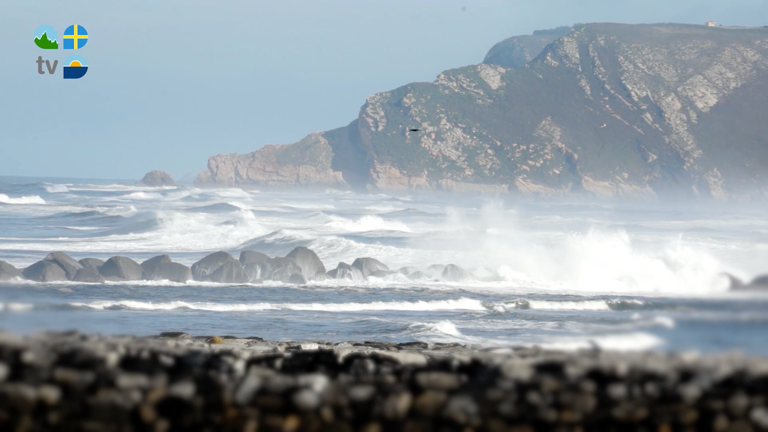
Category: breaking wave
[30,199]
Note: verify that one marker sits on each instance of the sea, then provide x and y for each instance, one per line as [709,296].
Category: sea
[556,273]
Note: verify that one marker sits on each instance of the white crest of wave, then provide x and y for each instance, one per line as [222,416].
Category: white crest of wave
[637,341]
[439,328]
[418,306]
[55,188]
[29,199]
[591,259]
[142,196]
[586,305]
[16,307]
[364,224]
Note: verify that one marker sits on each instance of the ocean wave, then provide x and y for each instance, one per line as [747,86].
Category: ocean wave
[579,305]
[440,328]
[418,306]
[29,199]
[16,307]
[365,224]
[55,188]
[636,341]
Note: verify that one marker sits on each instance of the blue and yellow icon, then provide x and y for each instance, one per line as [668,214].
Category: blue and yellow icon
[75,37]
[75,67]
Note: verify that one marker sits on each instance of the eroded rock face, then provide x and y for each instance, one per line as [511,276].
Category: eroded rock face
[9,272]
[308,261]
[219,267]
[45,271]
[121,269]
[608,110]
[158,178]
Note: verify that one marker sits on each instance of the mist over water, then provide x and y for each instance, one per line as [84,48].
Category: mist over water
[561,274]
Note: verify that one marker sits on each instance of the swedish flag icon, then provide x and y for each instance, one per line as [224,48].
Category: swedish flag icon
[75,37]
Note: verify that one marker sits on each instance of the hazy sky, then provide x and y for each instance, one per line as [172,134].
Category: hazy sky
[173,82]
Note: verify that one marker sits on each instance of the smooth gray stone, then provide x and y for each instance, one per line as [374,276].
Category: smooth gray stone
[45,271]
[454,273]
[219,267]
[308,261]
[346,271]
[158,178]
[380,274]
[170,271]
[255,272]
[151,263]
[8,272]
[88,274]
[121,269]
[281,269]
[69,264]
[91,262]
[369,265]
[252,257]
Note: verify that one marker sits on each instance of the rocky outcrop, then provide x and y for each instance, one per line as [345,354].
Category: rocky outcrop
[91,262]
[158,178]
[66,262]
[121,269]
[9,272]
[306,163]
[219,267]
[89,275]
[759,283]
[45,271]
[454,273]
[346,271]
[607,110]
[252,257]
[308,261]
[369,266]
[163,268]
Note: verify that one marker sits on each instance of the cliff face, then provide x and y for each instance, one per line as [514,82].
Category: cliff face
[607,109]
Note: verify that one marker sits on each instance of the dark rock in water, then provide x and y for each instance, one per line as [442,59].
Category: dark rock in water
[155,261]
[297,279]
[759,283]
[91,262]
[88,274]
[45,271]
[454,273]
[281,269]
[8,272]
[170,271]
[69,264]
[308,261]
[121,269]
[252,257]
[369,265]
[417,275]
[219,267]
[346,271]
[380,274]
[158,178]
[435,270]
[407,270]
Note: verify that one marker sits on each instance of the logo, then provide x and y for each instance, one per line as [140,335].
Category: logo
[75,67]
[75,37]
[46,37]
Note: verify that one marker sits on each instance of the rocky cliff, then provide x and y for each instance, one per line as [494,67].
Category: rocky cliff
[604,109]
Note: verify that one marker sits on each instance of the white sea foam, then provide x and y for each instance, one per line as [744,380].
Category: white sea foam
[55,188]
[29,199]
[635,341]
[438,305]
[586,305]
[365,223]
[16,307]
[439,328]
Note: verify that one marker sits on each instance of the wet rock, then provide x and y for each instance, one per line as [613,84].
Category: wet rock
[417,275]
[45,271]
[69,264]
[369,265]
[94,263]
[407,271]
[252,257]
[163,268]
[8,272]
[346,271]
[219,267]
[281,269]
[88,274]
[435,270]
[454,273]
[297,279]
[121,269]
[158,178]
[255,272]
[308,261]
[379,274]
